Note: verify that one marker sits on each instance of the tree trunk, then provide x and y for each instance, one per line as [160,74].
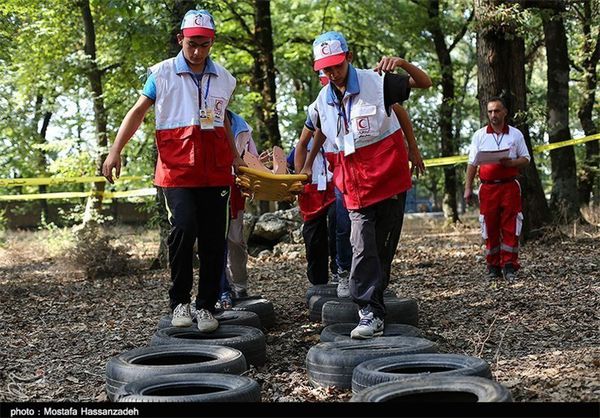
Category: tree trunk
[94,74]
[264,77]
[501,71]
[588,183]
[41,154]
[564,200]
[263,34]
[449,143]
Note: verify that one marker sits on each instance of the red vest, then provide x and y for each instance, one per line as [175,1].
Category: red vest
[374,173]
[191,157]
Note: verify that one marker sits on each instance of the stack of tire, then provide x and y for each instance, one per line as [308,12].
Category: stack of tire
[182,364]
[400,365]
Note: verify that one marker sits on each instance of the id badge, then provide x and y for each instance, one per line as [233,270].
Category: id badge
[349,144]
[207,118]
[321,182]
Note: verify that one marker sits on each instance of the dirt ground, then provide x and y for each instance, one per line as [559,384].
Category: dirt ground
[540,335]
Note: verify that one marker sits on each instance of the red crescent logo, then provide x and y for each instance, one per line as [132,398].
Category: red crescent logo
[325,49]
[218,105]
[362,123]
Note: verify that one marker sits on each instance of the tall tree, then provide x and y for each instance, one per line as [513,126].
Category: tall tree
[94,75]
[564,199]
[265,72]
[41,114]
[449,143]
[590,50]
[501,71]
[255,36]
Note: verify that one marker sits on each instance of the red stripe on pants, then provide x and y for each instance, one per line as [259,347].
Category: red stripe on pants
[500,205]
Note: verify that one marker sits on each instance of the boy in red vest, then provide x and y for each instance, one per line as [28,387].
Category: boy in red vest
[196,152]
[372,171]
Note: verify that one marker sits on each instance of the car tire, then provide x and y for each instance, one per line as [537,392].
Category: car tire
[249,340]
[332,364]
[341,332]
[227,317]
[448,389]
[152,361]
[416,366]
[192,387]
[262,307]
[398,311]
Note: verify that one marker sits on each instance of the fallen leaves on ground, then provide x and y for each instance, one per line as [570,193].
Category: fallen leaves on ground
[539,335]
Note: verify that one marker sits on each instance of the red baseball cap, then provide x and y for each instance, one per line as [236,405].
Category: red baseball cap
[329,49]
[198,23]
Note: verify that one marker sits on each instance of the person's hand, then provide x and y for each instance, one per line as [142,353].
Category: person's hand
[113,161]
[237,163]
[308,172]
[388,64]
[468,195]
[507,162]
[418,166]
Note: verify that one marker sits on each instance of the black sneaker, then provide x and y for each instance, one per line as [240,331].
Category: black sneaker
[509,272]
[494,273]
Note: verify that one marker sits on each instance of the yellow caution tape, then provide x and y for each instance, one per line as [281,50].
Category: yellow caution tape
[150,191]
[435,162]
[432,162]
[73,195]
[457,159]
[548,147]
[38,181]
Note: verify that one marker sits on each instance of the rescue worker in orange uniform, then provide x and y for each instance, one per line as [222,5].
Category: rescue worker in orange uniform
[500,193]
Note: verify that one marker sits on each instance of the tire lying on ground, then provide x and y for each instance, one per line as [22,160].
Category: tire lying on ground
[192,387]
[157,360]
[330,289]
[416,366]
[225,318]
[249,340]
[262,307]
[436,389]
[332,363]
[315,306]
[398,311]
[341,332]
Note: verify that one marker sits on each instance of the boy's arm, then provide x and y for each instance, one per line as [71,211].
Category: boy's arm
[301,149]
[131,122]
[414,156]
[237,160]
[418,78]
[318,141]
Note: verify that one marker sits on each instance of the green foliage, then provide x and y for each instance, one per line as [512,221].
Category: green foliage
[43,64]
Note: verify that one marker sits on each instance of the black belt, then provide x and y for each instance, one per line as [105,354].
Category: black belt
[498,181]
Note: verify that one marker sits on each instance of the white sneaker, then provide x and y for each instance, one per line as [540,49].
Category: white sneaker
[343,287]
[368,326]
[206,321]
[335,279]
[182,316]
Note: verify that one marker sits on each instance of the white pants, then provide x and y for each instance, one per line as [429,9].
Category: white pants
[237,254]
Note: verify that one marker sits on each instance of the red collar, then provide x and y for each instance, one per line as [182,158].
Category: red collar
[490,130]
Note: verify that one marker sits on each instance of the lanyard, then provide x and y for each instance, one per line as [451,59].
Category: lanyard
[343,114]
[497,138]
[198,83]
